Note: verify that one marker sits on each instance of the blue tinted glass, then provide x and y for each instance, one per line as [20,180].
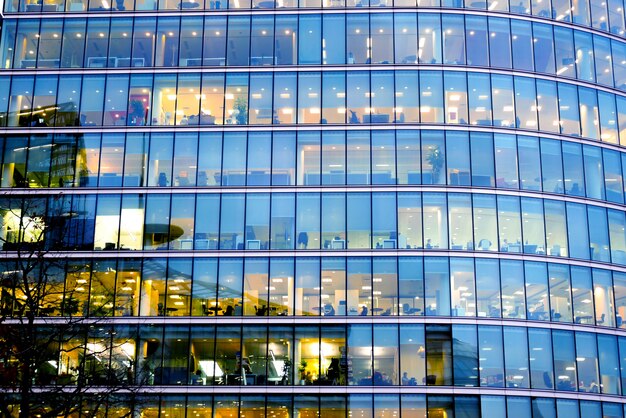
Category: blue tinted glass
[465,340]
[567,408]
[437,282]
[578,241]
[551,166]
[587,358]
[564,360]
[493,407]
[482,160]
[544,407]
[594,175]
[590,409]
[309,31]
[598,234]
[540,345]
[334,49]
[518,407]
[609,364]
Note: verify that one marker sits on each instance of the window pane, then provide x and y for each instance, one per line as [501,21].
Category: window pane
[413,366]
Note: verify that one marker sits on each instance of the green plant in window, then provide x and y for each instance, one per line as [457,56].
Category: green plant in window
[436,159]
[136,113]
[241,111]
[302,368]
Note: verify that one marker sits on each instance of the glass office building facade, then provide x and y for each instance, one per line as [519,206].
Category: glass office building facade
[384,208]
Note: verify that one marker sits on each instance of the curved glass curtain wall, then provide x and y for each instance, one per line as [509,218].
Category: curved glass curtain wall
[601,15]
[313,221]
[313,159]
[334,97]
[487,234]
[381,286]
[338,406]
[404,354]
[357,39]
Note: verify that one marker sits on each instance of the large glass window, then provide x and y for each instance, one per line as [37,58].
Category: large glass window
[232,226]
[603,295]
[509,224]
[384,233]
[552,166]
[439,355]
[537,301]
[541,369]
[587,361]
[516,357]
[560,295]
[529,163]
[522,45]
[462,287]
[310,39]
[513,295]
[256,287]
[488,288]
[564,359]
[409,220]
[359,222]
[307,296]
[482,160]
[435,221]
[582,295]
[533,226]
[459,216]
[598,234]
[412,355]
[491,358]
[458,158]
[465,340]
[411,286]
[609,364]
[429,38]
[308,221]
[257,231]
[437,284]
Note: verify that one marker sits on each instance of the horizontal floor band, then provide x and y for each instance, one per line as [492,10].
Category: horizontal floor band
[321,320]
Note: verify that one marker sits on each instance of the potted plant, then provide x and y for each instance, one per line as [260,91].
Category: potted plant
[436,158]
[302,369]
[241,111]
[136,113]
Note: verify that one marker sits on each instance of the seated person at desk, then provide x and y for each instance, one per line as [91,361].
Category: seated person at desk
[329,310]
[229,311]
[334,371]
[196,378]
[405,379]
[242,371]
[363,311]
[262,311]
[538,313]
[242,364]
[593,387]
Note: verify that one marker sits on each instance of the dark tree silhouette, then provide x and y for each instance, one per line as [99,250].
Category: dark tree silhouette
[55,360]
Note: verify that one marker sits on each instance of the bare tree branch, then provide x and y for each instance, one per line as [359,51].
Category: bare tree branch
[54,359]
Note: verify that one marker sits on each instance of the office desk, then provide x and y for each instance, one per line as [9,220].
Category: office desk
[381,118]
[186,244]
[338,244]
[253,244]
[236,379]
[515,248]
[389,244]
